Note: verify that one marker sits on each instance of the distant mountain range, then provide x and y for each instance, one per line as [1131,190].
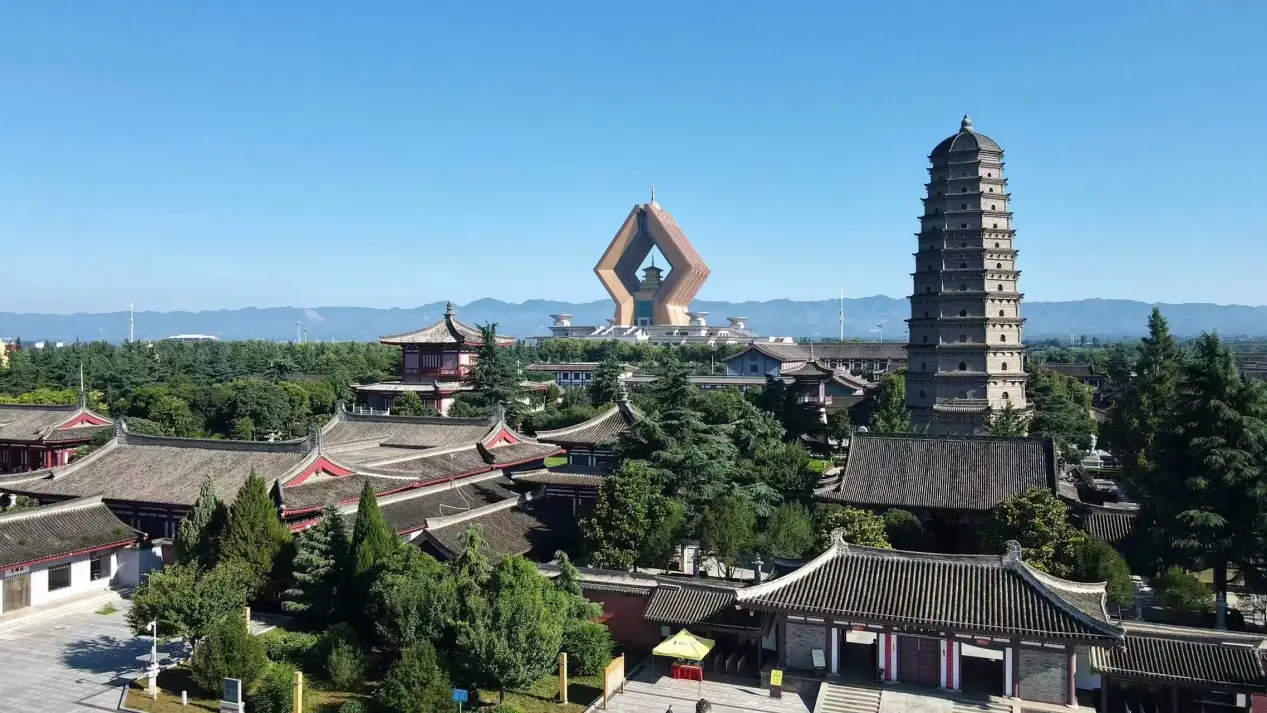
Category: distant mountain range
[1093,317]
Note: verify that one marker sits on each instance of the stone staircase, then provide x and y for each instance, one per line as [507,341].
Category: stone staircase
[982,707]
[834,698]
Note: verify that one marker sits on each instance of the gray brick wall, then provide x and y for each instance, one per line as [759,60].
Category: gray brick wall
[1044,675]
[801,640]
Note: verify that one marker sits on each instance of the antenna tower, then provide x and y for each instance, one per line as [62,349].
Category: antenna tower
[131,323]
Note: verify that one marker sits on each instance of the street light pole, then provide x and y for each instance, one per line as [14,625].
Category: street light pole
[153,628]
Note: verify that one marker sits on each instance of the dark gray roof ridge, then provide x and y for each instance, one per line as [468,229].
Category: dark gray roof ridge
[51,508]
[437,523]
[1052,587]
[297,445]
[949,437]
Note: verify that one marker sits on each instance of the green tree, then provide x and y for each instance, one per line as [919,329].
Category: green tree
[1096,561]
[1062,411]
[1040,523]
[1178,589]
[890,415]
[408,404]
[904,530]
[415,683]
[274,691]
[568,581]
[321,554]
[790,532]
[1205,502]
[416,601]
[495,378]
[727,529]
[783,466]
[605,387]
[199,532]
[665,532]
[622,515]
[1142,410]
[515,636]
[229,651]
[860,527]
[255,535]
[373,545]
[185,602]
[1007,421]
[588,645]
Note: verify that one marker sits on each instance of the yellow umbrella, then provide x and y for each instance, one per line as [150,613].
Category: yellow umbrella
[684,645]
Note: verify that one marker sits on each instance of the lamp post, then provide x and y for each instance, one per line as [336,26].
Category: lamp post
[153,629]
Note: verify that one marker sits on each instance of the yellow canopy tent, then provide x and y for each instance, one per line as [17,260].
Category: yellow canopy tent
[684,645]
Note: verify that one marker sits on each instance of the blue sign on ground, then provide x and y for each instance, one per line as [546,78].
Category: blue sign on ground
[459,695]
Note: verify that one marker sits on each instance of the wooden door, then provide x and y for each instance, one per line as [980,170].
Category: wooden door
[919,660]
[17,592]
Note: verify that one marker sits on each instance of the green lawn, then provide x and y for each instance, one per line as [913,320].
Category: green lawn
[543,696]
[556,461]
[818,466]
[172,681]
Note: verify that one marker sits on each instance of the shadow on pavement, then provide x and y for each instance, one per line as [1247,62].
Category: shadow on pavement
[117,656]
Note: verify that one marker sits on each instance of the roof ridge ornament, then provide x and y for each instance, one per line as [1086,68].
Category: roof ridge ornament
[838,539]
[1012,553]
[966,124]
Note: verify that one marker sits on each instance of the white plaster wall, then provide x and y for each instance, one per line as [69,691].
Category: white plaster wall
[80,579]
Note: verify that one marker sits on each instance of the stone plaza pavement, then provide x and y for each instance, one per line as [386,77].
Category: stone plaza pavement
[647,694]
[69,663]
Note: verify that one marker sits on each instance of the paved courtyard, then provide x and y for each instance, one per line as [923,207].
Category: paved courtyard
[645,694]
[69,663]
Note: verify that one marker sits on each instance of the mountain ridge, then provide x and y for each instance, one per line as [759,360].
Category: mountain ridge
[1099,317]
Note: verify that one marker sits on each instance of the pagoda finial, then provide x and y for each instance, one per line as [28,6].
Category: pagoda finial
[653,204]
[966,124]
[448,309]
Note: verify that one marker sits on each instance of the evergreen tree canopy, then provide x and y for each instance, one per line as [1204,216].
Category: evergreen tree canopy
[373,540]
[728,529]
[568,581]
[790,532]
[622,516]
[1062,411]
[416,683]
[255,533]
[185,601]
[1040,523]
[1205,499]
[861,527]
[408,404]
[1007,421]
[890,416]
[321,555]
[198,535]
[605,387]
[1147,401]
[416,600]
[495,377]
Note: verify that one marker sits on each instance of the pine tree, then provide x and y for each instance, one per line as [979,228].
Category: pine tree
[1006,422]
[605,388]
[621,516]
[198,535]
[1207,490]
[1147,402]
[472,562]
[255,535]
[320,555]
[373,541]
[568,581]
[1062,411]
[890,416]
[495,378]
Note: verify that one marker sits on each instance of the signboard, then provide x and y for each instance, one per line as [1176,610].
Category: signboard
[459,695]
[820,659]
[776,677]
[614,678]
[231,695]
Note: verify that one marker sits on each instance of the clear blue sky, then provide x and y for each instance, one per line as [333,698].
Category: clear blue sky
[204,155]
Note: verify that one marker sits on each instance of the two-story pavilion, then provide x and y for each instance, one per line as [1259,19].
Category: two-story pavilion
[436,363]
[37,436]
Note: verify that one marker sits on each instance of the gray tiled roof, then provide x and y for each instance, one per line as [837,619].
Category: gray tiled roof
[447,463]
[571,366]
[950,473]
[525,451]
[36,423]
[1171,660]
[965,141]
[320,490]
[169,471]
[603,428]
[1076,371]
[971,594]
[692,605]
[543,476]
[843,351]
[53,531]
[536,527]
[407,431]
[448,330]
[808,369]
[410,511]
[1110,524]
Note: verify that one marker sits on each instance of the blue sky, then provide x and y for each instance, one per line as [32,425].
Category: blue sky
[205,155]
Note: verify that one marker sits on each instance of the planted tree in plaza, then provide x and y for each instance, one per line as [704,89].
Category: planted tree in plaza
[415,683]
[186,601]
[229,651]
[199,532]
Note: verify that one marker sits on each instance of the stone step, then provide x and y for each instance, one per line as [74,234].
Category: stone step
[848,699]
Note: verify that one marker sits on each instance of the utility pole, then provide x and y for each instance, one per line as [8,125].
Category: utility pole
[842,315]
[131,323]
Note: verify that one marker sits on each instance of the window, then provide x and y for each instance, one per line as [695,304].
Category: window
[996,225]
[963,337]
[925,313]
[95,568]
[963,190]
[576,376]
[998,266]
[930,268]
[996,245]
[963,313]
[1000,288]
[991,206]
[1002,337]
[939,193]
[924,338]
[963,366]
[963,225]
[1001,313]
[963,206]
[1005,369]
[928,289]
[59,577]
[1005,396]
[989,175]
[923,366]
[752,368]
[963,245]
[963,288]
[921,394]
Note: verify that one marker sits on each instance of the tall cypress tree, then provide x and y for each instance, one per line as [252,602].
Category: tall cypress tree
[605,388]
[495,377]
[199,533]
[373,540]
[255,534]
[1207,494]
[1147,402]
[320,555]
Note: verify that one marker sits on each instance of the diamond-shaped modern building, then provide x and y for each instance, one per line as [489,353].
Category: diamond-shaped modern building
[656,299]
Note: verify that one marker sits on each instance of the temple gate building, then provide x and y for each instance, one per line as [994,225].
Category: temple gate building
[964,350]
